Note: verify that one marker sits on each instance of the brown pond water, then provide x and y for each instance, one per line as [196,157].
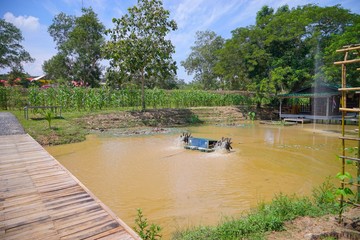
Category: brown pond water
[178,188]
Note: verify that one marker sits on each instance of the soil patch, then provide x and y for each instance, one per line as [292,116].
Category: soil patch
[326,227]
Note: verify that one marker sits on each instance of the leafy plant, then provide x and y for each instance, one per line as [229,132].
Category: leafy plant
[194,119]
[48,116]
[325,196]
[345,191]
[4,98]
[251,116]
[145,231]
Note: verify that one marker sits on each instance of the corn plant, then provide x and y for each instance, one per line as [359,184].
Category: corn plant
[71,98]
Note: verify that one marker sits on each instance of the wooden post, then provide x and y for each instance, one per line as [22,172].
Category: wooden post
[327,108]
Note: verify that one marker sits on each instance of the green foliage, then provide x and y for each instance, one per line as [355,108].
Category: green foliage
[251,116]
[68,130]
[325,196]
[344,191]
[12,98]
[268,217]
[344,176]
[48,115]
[203,59]
[351,35]
[145,231]
[56,67]
[287,50]
[138,49]
[194,119]
[78,40]
[12,53]
[4,98]
[83,99]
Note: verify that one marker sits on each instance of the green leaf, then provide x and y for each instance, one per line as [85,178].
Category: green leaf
[342,177]
[348,191]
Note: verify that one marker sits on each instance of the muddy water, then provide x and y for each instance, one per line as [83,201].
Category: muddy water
[178,188]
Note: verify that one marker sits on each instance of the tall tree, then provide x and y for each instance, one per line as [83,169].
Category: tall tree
[203,58]
[57,68]
[264,16]
[79,41]
[138,47]
[12,53]
[349,35]
[288,49]
[242,61]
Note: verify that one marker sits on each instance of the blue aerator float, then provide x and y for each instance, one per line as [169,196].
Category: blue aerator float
[204,144]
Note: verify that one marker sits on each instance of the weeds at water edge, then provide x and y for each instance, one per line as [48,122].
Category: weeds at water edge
[268,217]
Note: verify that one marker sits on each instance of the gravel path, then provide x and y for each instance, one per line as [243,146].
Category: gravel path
[9,125]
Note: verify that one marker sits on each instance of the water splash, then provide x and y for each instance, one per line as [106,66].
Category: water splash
[318,78]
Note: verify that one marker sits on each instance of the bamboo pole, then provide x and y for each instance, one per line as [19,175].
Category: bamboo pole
[344,110]
[349,89]
[349,48]
[343,113]
[348,61]
[350,109]
[350,158]
[350,138]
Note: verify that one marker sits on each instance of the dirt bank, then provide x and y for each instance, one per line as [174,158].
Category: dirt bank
[326,227]
[172,117]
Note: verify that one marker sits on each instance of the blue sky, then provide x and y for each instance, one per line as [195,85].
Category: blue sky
[33,17]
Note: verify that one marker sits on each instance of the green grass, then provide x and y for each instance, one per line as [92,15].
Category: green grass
[63,130]
[267,217]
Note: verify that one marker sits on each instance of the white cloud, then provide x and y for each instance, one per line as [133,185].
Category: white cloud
[24,23]
[186,12]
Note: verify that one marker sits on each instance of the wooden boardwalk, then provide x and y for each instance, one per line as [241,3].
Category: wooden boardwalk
[40,199]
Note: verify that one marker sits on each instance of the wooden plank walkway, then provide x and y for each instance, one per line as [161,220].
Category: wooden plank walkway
[40,199]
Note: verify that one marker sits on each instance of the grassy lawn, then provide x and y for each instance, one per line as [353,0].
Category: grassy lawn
[68,128]
[65,129]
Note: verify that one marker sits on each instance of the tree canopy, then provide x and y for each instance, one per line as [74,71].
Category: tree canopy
[203,58]
[79,41]
[286,49]
[12,53]
[138,49]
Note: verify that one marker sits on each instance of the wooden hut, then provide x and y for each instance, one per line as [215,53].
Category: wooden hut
[321,101]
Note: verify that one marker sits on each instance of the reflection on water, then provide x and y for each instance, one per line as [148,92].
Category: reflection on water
[178,188]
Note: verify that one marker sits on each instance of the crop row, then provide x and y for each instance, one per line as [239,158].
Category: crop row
[101,98]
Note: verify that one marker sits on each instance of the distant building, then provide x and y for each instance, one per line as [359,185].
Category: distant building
[318,102]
